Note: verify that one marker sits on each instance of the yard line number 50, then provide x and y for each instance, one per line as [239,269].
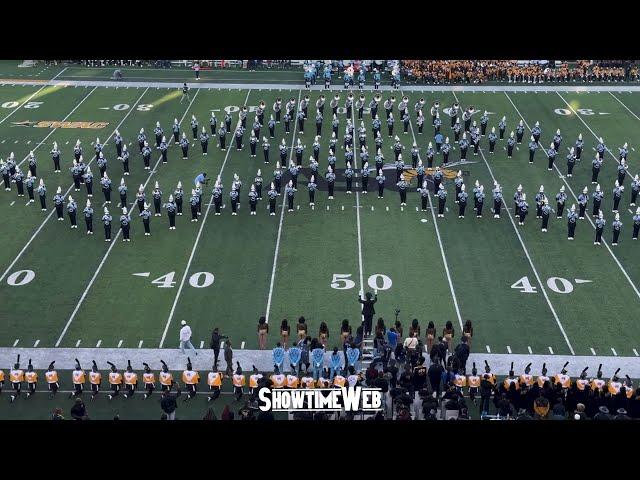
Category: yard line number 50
[342,281]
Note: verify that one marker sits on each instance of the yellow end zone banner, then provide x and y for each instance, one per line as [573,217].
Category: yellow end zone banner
[58,124]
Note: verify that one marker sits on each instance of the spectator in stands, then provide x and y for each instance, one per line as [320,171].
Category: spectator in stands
[57,414]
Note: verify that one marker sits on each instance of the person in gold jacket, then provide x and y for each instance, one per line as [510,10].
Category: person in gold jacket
[78,379]
[115,381]
[52,380]
[149,380]
[95,378]
[190,378]
[32,379]
[239,382]
[130,380]
[214,380]
[16,377]
[166,378]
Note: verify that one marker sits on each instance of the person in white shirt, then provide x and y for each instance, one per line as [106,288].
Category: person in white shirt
[185,337]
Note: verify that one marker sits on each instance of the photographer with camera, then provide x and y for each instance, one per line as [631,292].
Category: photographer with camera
[216,340]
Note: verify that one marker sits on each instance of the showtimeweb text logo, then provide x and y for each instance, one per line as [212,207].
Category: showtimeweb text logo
[345,399]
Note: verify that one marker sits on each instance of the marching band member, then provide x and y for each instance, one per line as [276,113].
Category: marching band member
[511,142]
[124,158]
[253,199]
[239,382]
[578,147]
[88,217]
[473,381]
[106,220]
[142,137]
[617,196]
[171,212]
[204,141]
[614,384]
[583,198]
[78,379]
[105,183]
[597,195]
[95,379]
[130,381]
[16,377]
[125,220]
[561,198]
[511,379]
[214,380]
[492,140]
[545,212]
[502,126]
[165,377]
[636,224]
[572,217]
[149,380]
[526,379]
[58,201]
[462,201]
[523,208]
[157,199]
[600,149]
[600,223]
[32,379]
[617,226]
[596,165]
[539,199]
[146,215]
[55,155]
[542,379]
[115,381]
[582,382]
[551,154]
[184,144]
[442,198]
[533,146]
[72,207]
[176,130]
[598,382]
[635,189]
[190,378]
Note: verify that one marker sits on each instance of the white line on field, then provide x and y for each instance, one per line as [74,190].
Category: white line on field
[98,344]
[16,342]
[6,272]
[530,351]
[113,243]
[275,255]
[64,119]
[551,351]
[620,102]
[444,258]
[38,341]
[593,352]
[140,344]
[202,344]
[12,203]
[635,352]
[119,343]
[77,343]
[221,343]
[508,349]
[488,349]
[359,228]
[195,244]
[614,352]
[242,345]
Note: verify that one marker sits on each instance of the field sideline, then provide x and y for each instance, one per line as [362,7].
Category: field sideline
[84,293]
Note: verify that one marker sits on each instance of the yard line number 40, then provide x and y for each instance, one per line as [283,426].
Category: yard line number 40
[555,284]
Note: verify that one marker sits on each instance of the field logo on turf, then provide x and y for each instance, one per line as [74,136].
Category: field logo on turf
[345,399]
[58,124]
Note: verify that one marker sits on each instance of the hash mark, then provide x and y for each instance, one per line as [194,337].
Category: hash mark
[593,352]
[551,350]
[488,349]
[508,349]
[530,352]
[77,343]
[98,344]
[614,352]
[36,344]
[140,344]
[242,346]
[16,342]
[635,352]
[119,343]
[12,203]
[202,344]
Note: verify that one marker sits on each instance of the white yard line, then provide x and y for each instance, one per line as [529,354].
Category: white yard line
[284,200]
[30,97]
[526,252]
[55,129]
[6,272]
[621,103]
[195,244]
[355,167]
[113,242]
[444,258]
[588,217]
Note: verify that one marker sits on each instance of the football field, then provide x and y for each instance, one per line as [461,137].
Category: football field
[527,292]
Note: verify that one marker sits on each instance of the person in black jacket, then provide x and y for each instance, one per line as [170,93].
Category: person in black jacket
[435,375]
[216,340]
[462,352]
[169,402]
[368,311]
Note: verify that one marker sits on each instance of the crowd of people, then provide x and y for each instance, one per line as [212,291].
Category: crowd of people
[480,71]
